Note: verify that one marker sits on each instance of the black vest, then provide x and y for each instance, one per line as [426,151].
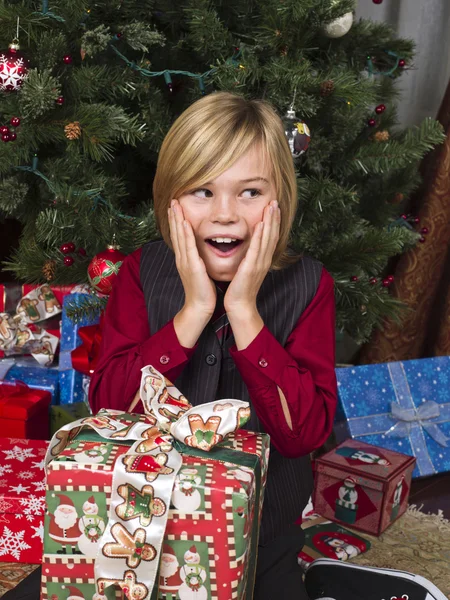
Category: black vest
[283,297]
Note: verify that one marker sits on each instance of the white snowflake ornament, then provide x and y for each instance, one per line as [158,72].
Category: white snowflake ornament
[13,68]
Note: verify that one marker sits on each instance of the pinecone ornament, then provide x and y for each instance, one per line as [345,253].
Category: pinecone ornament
[326,88]
[48,270]
[73,130]
[381,136]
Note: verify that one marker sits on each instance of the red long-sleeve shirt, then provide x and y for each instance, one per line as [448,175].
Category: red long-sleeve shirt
[302,371]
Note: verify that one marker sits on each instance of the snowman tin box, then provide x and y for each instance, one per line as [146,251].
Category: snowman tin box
[362,486]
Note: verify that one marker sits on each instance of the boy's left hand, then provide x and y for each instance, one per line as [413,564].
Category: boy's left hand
[244,287]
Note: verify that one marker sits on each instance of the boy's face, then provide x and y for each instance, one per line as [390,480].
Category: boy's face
[229,207]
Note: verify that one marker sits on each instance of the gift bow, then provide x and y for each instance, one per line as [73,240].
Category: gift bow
[407,417]
[84,357]
[16,337]
[168,415]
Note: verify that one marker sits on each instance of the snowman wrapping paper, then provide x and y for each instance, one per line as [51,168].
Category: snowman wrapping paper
[110,522]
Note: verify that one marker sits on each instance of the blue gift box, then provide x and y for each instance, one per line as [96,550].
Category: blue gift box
[28,370]
[402,406]
[74,387]
[73,384]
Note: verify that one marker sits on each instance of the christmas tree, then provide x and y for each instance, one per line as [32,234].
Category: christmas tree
[89,90]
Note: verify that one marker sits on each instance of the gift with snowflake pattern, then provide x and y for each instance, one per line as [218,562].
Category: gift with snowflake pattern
[22,500]
[402,406]
[74,386]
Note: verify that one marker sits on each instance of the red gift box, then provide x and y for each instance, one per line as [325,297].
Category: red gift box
[22,499]
[24,412]
[11,293]
[362,486]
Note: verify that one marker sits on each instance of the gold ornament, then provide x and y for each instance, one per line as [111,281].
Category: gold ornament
[73,130]
[48,269]
[326,88]
[381,136]
[399,197]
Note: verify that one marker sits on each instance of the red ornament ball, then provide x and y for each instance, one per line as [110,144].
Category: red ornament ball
[386,282]
[416,220]
[68,261]
[4,130]
[60,100]
[373,280]
[13,136]
[354,278]
[68,59]
[372,123]
[422,240]
[15,121]
[390,278]
[380,109]
[5,137]
[377,1]
[81,251]
[13,69]
[119,34]
[103,269]
[404,216]
[402,63]
[424,230]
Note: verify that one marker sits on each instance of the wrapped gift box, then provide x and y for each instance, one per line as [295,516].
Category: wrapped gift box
[73,384]
[212,506]
[11,294]
[362,486]
[24,411]
[29,371]
[65,414]
[22,500]
[74,387]
[403,406]
[323,538]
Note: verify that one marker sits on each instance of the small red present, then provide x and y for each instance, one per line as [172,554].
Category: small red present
[362,486]
[24,412]
[22,499]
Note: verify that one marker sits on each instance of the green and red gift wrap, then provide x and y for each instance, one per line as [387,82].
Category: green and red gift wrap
[163,505]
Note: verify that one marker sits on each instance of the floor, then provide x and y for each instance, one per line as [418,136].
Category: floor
[433,492]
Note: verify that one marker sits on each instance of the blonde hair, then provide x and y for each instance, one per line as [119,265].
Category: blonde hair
[207,138]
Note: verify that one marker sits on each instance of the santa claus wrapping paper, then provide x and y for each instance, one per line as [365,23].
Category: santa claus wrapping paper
[164,505]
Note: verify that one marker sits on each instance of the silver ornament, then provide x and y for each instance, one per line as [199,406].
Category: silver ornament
[339,27]
[297,133]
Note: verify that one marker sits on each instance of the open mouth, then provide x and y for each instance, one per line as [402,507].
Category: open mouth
[224,248]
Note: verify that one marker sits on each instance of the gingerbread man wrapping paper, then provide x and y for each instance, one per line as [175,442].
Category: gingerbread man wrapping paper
[165,504]
[16,335]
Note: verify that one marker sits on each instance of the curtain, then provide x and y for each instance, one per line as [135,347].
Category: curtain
[427,22]
[422,276]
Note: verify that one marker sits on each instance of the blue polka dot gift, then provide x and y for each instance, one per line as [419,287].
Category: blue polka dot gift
[402,406]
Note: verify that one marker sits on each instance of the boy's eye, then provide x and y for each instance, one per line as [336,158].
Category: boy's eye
[205,193]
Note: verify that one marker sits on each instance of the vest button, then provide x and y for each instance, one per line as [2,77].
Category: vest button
[263,362]
[164,359]
[211,359]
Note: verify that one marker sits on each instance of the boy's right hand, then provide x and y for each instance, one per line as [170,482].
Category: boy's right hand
[199,288]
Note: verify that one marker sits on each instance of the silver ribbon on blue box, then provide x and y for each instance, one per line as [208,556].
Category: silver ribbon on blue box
[405,418]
